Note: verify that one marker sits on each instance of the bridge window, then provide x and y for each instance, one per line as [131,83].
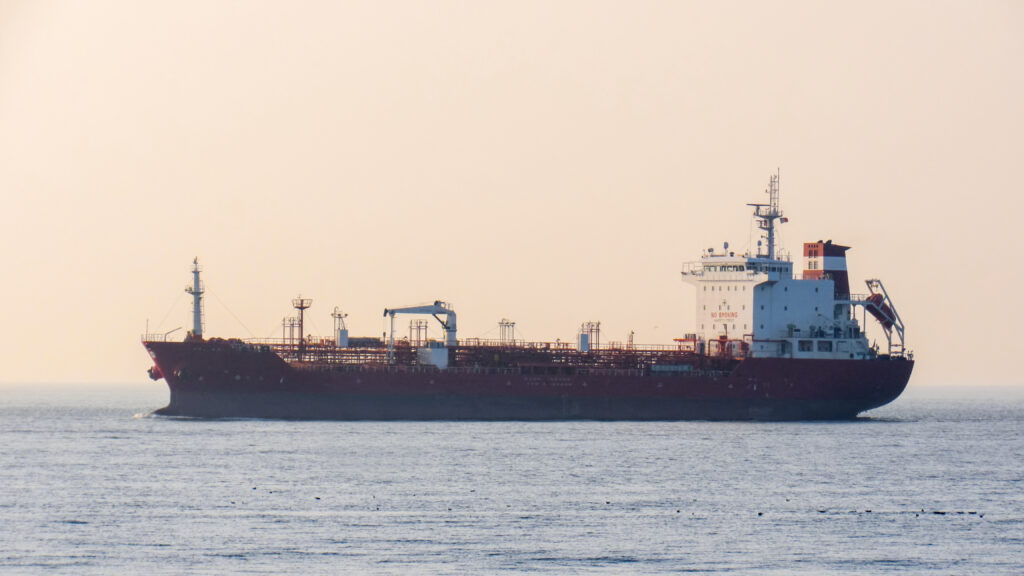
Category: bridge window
[824,346]
[806,346]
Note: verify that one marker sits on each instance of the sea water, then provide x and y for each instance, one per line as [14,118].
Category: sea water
[90,483]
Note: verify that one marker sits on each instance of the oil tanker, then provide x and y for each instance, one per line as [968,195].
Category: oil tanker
[768,344]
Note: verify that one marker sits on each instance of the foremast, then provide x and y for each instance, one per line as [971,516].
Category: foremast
[196,290]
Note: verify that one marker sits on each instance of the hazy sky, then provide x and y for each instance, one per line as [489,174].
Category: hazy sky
[550,162]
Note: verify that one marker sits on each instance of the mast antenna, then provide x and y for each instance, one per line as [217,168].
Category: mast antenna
[767,214]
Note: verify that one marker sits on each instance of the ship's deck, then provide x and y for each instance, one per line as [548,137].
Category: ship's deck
[543,357]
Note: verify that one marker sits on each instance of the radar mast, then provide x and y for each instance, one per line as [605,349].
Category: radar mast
[766,215]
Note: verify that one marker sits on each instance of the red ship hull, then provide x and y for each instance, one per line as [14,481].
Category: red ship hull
[217,379]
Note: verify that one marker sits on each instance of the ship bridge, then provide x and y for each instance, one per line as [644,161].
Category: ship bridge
[715,267]
[755,305]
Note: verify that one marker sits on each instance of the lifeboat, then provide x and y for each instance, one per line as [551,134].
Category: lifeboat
[881,311]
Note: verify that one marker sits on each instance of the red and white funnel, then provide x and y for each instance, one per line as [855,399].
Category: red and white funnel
[828,260]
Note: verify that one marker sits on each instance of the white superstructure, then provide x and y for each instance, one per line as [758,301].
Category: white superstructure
[755,305]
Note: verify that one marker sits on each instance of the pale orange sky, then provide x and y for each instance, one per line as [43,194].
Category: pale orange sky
[550,162]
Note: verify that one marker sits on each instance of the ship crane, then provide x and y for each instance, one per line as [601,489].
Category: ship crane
[437,309]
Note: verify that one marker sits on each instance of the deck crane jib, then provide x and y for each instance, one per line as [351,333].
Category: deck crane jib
[435,356]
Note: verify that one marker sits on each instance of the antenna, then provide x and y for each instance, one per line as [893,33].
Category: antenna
[767,214]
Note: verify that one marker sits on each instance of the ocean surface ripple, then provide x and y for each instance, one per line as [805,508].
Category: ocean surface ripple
[89,484]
